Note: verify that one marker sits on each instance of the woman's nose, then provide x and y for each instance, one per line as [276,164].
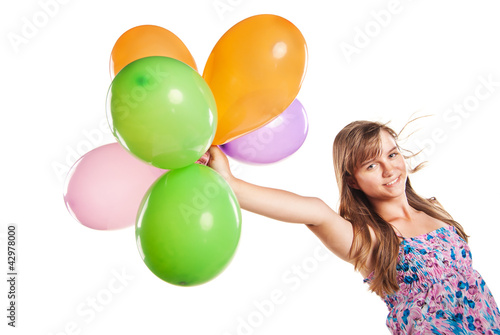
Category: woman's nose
[388,170]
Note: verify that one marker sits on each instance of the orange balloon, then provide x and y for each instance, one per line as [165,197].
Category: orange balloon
[145,41]
[255,72]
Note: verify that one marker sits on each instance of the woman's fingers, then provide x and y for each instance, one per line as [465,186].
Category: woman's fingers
[219,162]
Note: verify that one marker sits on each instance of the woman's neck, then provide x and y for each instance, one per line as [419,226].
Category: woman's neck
[394,209]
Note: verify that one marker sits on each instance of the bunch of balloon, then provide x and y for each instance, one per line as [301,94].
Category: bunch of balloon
[164,116]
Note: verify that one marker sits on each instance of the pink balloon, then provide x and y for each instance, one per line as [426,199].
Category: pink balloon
[105,187]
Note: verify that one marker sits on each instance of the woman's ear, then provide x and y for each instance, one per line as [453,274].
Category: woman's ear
[352,182]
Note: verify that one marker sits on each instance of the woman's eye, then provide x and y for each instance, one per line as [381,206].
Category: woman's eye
[370,167]
[394,154]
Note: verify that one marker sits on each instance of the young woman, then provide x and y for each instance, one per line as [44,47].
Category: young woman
[409,249]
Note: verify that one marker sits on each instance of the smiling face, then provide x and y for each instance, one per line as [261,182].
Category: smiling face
[382,177]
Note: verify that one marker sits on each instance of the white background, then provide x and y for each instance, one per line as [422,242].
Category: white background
[426,57]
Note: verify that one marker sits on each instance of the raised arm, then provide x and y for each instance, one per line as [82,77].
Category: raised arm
[334,231]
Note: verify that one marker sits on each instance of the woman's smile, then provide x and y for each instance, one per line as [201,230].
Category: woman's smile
[393,182]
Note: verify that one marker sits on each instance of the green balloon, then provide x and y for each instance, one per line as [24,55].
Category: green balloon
[188,226]
[162,111]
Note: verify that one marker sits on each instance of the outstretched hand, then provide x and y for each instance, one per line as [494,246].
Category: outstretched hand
[219,162]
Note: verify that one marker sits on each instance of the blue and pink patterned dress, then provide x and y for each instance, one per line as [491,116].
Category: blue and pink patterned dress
[440,292]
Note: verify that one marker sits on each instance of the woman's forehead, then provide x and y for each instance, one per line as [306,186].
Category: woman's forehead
[387,141]
[383,144]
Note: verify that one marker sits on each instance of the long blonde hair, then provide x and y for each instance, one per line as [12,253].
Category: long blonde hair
[356,143]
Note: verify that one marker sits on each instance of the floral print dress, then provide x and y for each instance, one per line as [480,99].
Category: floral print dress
[440,292]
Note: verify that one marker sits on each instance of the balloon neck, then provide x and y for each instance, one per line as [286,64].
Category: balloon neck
[204,159]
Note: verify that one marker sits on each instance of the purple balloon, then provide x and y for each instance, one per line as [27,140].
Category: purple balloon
[274,141]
